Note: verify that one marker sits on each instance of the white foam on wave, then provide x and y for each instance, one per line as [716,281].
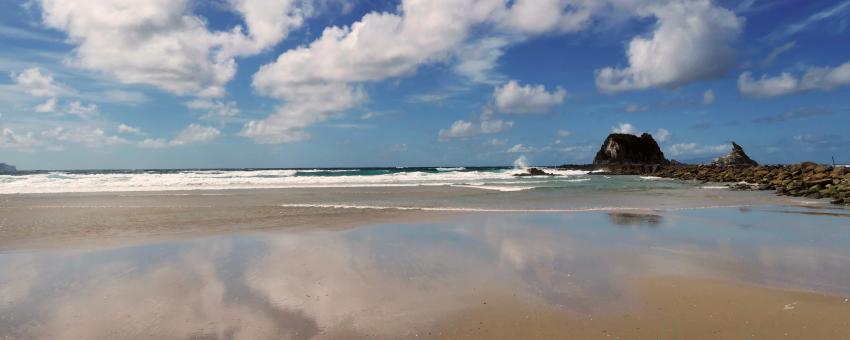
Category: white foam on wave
[505,210]
[325,170]
[453,209]
[62,182]
[483,186]
[460,168]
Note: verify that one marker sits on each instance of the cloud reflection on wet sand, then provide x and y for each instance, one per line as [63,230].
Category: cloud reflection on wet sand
[399,280]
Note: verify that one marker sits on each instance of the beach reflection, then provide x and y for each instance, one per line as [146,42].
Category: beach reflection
[635,219]
[397,280]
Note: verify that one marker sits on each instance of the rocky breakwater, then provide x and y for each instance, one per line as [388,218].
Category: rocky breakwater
[806,179]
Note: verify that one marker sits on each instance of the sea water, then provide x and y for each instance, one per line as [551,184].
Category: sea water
[482,178]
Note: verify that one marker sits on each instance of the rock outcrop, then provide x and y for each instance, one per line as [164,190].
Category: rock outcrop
[622,148]
[806,179]
[736,157]
[7,168]
[535,172]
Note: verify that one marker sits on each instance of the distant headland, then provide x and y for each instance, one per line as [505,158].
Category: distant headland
[6,168]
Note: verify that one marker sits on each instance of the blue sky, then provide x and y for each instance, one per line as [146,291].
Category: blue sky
[328,83]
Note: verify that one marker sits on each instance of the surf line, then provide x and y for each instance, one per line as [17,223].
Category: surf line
[496,210]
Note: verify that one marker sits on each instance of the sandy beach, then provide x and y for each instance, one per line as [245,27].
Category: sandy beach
[92,218]
[666,308]
[436,262]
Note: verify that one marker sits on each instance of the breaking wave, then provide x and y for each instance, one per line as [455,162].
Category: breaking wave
[495,179]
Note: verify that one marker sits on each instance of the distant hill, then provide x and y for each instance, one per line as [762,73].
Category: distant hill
[7,168]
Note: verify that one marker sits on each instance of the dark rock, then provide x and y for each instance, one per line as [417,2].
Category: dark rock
[735,157]
[535,172]
[622,148]
[7,168]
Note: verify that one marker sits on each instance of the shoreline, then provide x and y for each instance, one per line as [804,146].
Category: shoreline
[115,217]
[809,180]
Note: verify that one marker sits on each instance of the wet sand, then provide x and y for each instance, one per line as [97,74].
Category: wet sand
[250,265]
[665,308]
[28,220]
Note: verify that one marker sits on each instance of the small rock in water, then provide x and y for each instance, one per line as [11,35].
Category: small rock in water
[535,172]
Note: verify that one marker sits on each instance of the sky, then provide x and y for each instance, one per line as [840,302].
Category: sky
[109,84]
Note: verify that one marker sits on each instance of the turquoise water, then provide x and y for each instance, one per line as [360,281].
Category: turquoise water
[489,178]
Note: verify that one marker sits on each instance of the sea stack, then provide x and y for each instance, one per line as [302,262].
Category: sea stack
[735,157]
[623,148]
[6,168]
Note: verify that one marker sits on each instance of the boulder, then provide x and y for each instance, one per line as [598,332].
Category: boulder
[735,157]
[7,168]
[622,148]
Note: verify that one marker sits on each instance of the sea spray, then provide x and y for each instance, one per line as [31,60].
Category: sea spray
[521,163]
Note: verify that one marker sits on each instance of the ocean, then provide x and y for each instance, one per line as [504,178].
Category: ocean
[482,178]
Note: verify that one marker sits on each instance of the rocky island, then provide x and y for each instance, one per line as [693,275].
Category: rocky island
[623,148]
[623,154]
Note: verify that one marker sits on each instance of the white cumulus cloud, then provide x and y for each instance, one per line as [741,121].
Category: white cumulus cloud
[523,99]
[484,124]
[81,110]
[662,135]
[38,83]
[47,106]
[765,86]
[215,109]
[162,43]
[124,128]
[692,41]
[195,133]
[87,136]
[624,128]
[11,140]
[153,143]
[519,148]
[308,105]
[385,45]
[815,78]
[696,149]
